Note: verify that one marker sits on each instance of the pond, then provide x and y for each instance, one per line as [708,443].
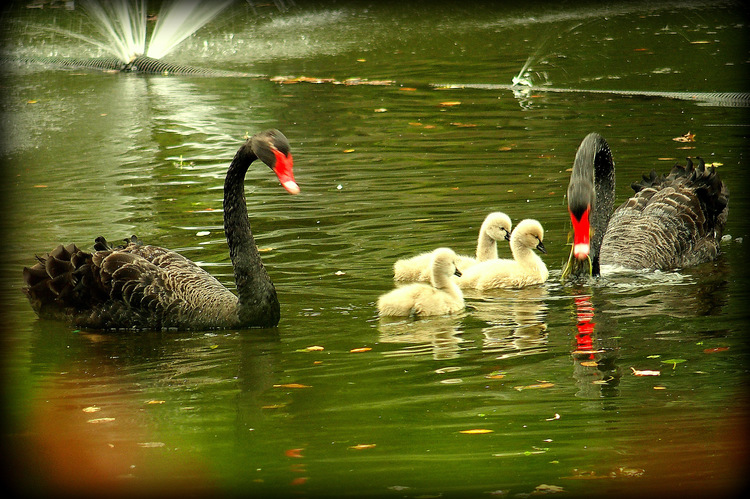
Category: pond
[405,144]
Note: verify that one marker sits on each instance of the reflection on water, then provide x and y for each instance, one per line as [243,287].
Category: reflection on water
[515,321]
[440,337]
[526,388]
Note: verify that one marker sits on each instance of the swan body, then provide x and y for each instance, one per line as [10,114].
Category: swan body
[496,227]
[137,286]
[441,297]
[672,221]
[525,269]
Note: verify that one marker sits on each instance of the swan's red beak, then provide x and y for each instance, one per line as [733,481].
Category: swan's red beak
[581,234]
[283,170]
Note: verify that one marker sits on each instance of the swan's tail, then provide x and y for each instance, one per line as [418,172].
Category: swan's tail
[63,283]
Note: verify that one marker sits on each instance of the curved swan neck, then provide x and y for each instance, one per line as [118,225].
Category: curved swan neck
[257,297]
[486,246]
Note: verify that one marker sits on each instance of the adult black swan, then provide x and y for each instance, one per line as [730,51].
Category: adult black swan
[673,221]
[137,286]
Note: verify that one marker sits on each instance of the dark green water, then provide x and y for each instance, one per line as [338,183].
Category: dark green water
[386,171]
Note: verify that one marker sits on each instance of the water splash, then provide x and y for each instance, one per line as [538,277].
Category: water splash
[122,23]
[178,20]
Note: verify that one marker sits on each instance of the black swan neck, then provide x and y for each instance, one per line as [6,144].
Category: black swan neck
[258,304]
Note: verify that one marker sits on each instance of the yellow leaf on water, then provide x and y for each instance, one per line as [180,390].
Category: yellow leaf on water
[450,103]
[645,372]
[688,137]
[292,385]
[360,350]
[349,150]
[156,401]
[92,409]
[100,420]
[537,385]
[273,406]
[476,431]
[315,348]
[362,446]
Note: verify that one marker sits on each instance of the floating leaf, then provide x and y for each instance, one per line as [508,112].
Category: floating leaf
[362,446]
[547,489]
[92,409]
[505,148]
[315,348]
[273,406]
[543,384]
[659,387]
[688,137]
[716,350]
[476,431]
[381,110]
[360,350]
[451,103]
[295,453]
[408,89]
[646,372]
[292,385]
[553,418]
[151,445]
[100,420]
[674,362]
[349,150]
[156,401]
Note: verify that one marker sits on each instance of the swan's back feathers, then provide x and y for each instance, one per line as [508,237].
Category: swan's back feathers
[130,286]
[677,220]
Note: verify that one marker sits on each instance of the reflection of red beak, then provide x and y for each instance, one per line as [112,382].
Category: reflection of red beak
[283,170]
[581,234]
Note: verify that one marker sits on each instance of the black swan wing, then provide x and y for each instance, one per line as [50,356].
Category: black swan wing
[672,221]
[128,287]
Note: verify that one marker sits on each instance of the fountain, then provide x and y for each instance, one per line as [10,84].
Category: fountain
[123,26]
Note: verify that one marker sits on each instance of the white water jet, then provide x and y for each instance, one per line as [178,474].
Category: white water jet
[123,24]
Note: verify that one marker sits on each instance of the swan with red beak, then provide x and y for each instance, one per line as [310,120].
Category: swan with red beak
[672,221]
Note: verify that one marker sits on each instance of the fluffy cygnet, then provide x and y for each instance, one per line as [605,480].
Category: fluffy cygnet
[441,297]
[496,227]
[525,269]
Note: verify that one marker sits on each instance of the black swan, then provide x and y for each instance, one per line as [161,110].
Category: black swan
[137,286]
[673,221]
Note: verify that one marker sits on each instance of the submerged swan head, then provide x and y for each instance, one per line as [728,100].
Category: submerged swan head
[528,234]
[272,147]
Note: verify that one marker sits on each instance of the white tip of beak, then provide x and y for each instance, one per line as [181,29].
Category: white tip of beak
[581,251]
[291,187]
